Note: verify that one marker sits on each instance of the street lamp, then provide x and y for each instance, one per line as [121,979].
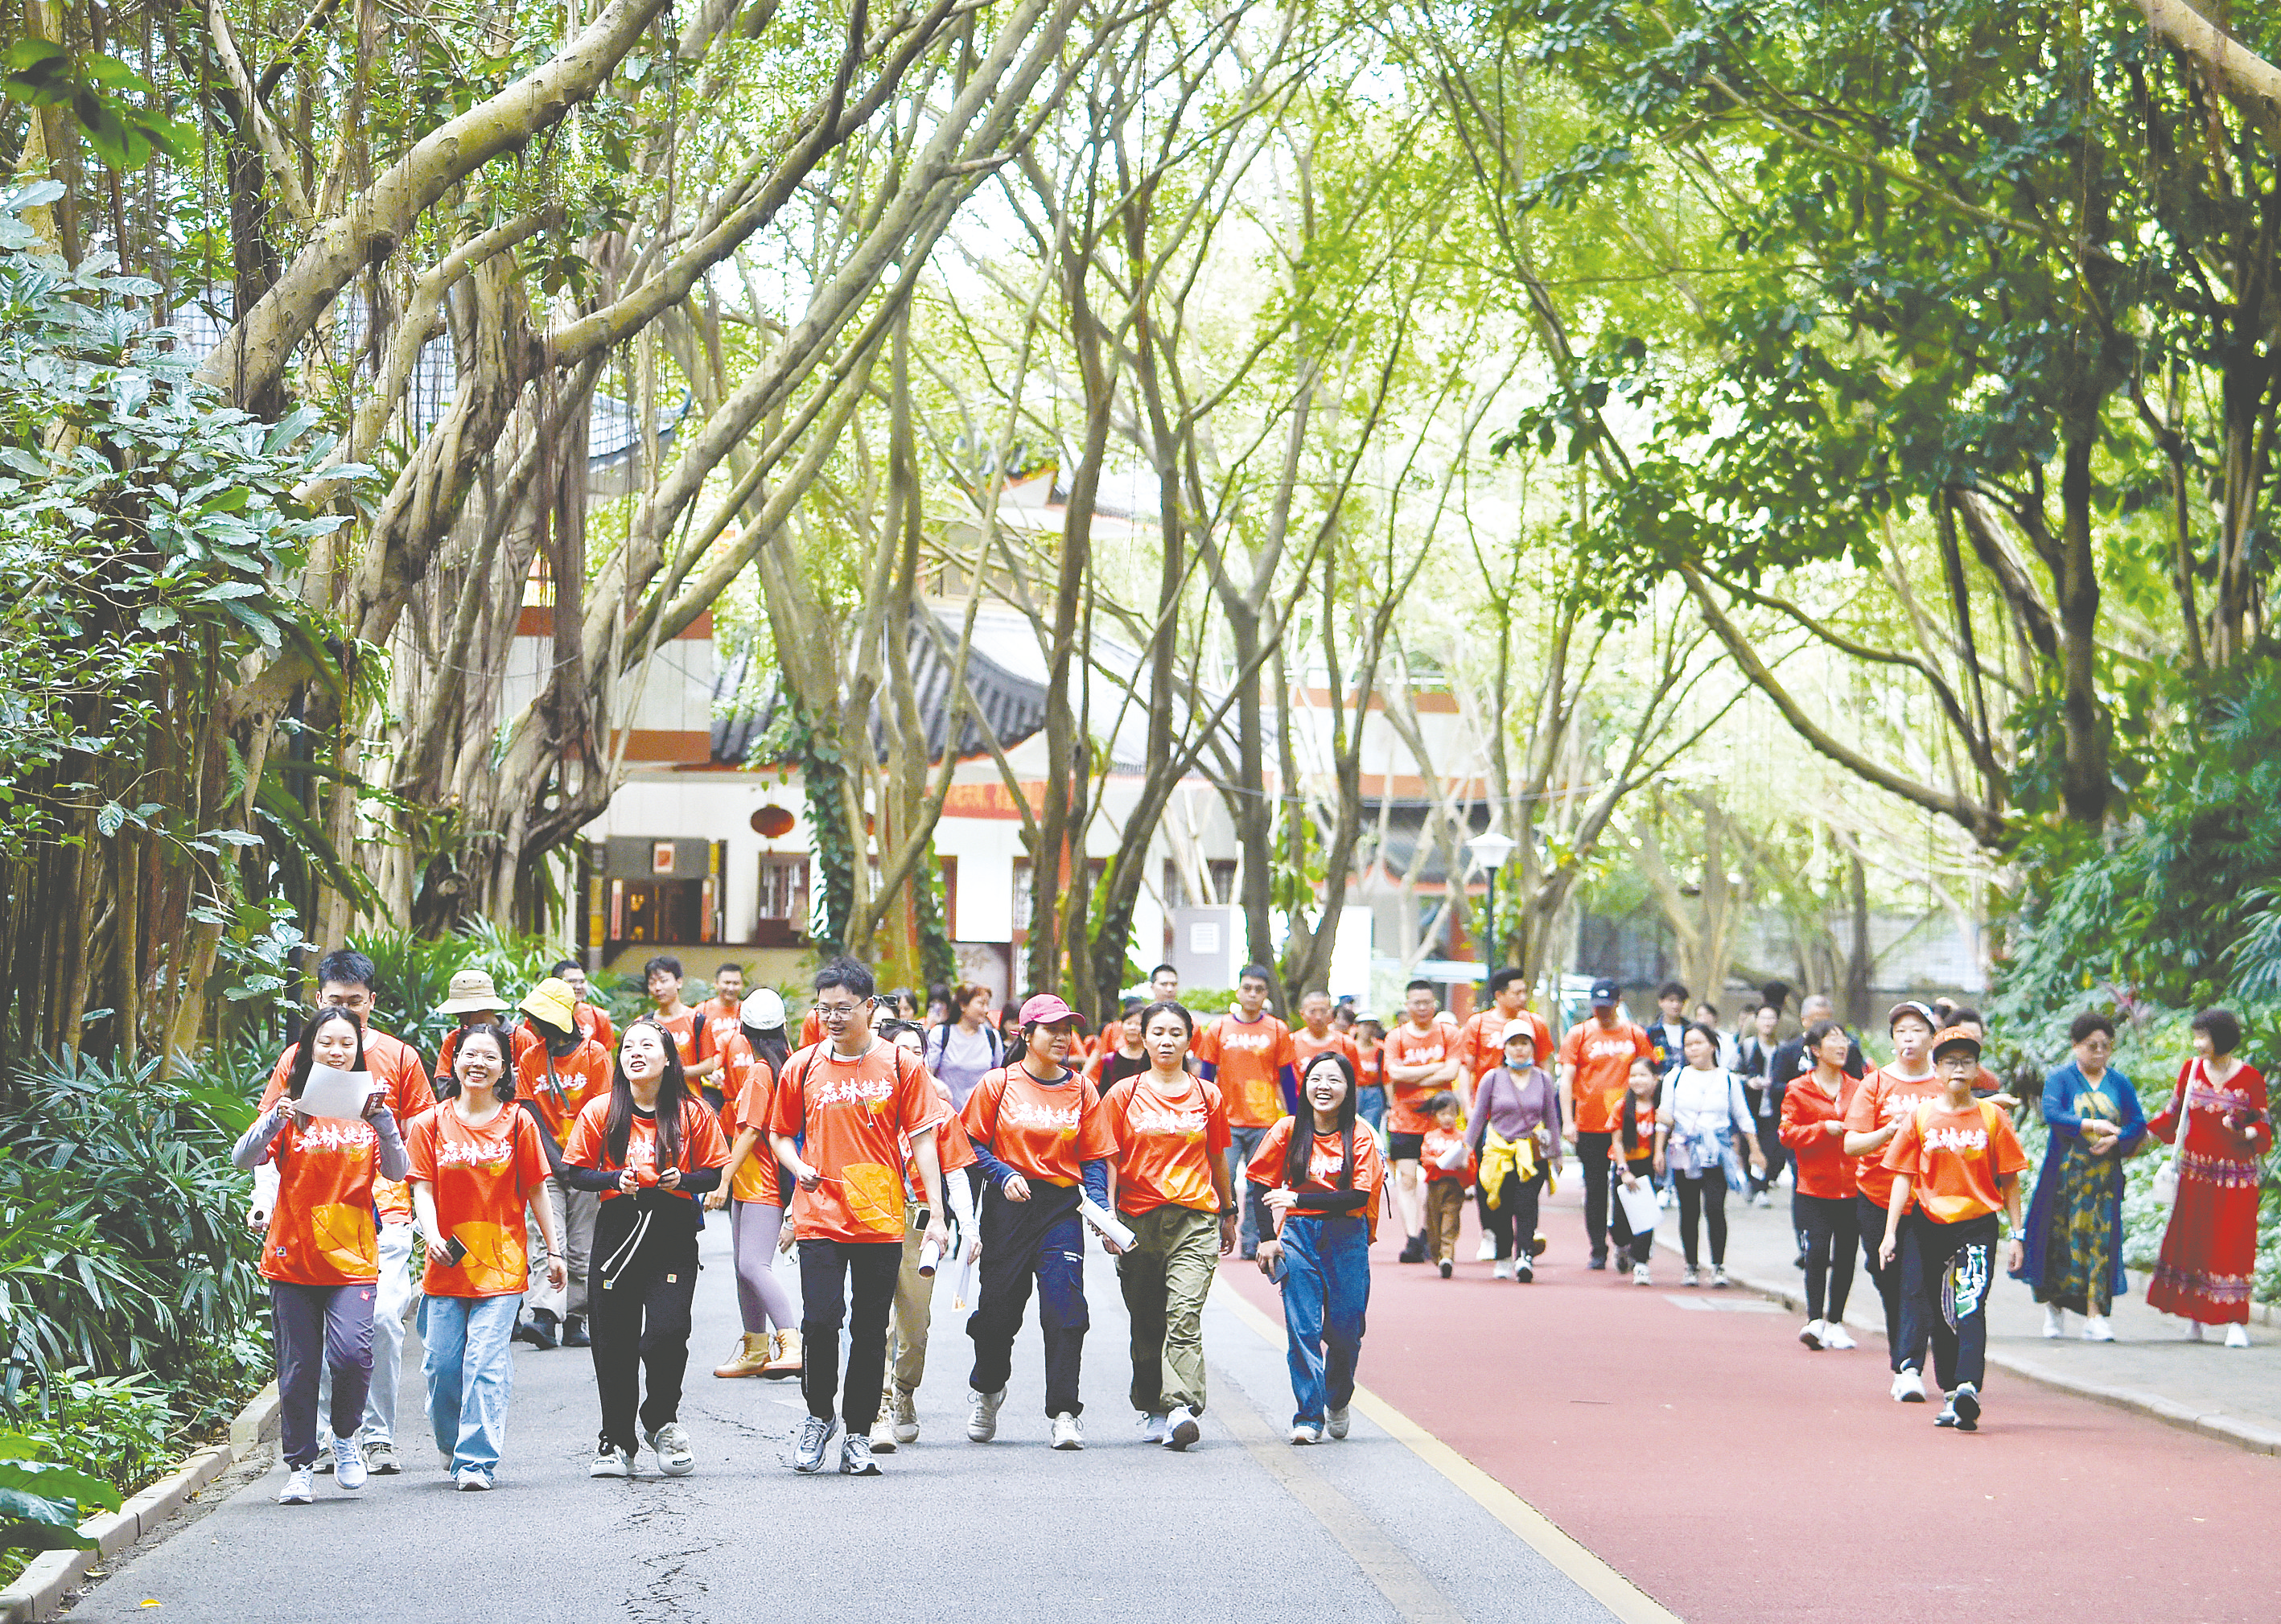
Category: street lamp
[1490,849]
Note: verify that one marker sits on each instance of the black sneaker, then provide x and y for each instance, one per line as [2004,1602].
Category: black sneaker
[1599,1261]
[1413,1251]
[1445,1269]
[573,1333]
[1623,1259]
[538,1330]
[1525,1274]
[1965,1404]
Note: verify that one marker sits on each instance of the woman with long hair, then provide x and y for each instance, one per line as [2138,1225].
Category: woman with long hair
[478,1165]
[650,1148]
[1173,1192]
[1321,1189]
[321,1253]
[1821,1203]
[751,1062]
[2219,1116]
[1705,1124]
[1631,1161]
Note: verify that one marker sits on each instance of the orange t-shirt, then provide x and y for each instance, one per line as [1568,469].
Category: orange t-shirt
[1480,1049]
[1324,1159]
[1600,1068]
[811,1028]
[397,1064]
[1439,1143]
[321,1231]
[953,1150]
[483,1179]
[595,1024]
[1956,1159]
[1372,1059]
[1305,1046]
[701,1145]
[1643,1118]
[856,1115]
[1248,1058]
[684,1028]
[1168,1142]
[1881,1098]
[1044,1131]
[718,1026]
[1818,1157]
[749,1099]
[579,1076]
[1406,1045]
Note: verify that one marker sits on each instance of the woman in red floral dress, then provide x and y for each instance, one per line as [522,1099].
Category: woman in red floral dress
[2209,1251]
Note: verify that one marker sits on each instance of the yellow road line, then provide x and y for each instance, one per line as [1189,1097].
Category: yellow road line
[1619,1595]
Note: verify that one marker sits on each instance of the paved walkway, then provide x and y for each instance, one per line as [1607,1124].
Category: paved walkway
[1243,1526]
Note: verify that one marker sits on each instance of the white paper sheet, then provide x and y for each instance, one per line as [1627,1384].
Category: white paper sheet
[337,1094]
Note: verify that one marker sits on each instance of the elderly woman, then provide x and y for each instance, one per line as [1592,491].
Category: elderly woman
[2074,1240]
[1516,1123]
[2219,1116]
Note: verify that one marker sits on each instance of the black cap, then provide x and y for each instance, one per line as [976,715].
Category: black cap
[1605,992]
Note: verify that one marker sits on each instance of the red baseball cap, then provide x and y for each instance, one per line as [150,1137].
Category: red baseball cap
[1043,1009]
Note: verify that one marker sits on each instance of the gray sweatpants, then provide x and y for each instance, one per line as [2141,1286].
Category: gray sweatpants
[320,1328]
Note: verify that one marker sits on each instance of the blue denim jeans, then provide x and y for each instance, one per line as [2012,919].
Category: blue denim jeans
[470,1370]
[1243,1145]
[1326,1293]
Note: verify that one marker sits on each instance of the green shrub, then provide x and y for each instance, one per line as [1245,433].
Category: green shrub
[42,1502]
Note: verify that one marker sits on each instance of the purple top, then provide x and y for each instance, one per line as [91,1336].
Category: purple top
[1516,1105]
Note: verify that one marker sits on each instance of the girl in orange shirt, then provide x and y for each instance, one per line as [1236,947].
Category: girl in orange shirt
[1822,1206]
[751,1062]
[321,1256]
[477,1165]
[1322,1190]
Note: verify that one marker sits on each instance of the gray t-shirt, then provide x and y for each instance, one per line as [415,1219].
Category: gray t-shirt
[963,1058]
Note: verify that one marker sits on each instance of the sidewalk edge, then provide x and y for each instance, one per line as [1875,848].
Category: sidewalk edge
[1576,1562]
[2213,1424]
[39,1590]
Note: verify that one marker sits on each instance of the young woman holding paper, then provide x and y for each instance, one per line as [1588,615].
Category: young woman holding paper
[1171,1134]
[477,1165]
[1042,1143]
[321,1253]
[1821,1207]
[1321,1188]
[649,1148]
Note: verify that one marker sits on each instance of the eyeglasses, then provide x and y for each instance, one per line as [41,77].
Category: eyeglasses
[830,1013]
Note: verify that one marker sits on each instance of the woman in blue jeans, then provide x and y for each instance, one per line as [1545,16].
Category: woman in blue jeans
[477,1165]
[1321,1188]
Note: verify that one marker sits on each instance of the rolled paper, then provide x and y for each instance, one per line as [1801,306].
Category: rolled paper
[1105,1223]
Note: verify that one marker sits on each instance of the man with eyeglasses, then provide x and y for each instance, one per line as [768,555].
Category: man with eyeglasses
[842,1109]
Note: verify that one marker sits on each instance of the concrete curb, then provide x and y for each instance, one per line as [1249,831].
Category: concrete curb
[2211,1424]
[39,1592]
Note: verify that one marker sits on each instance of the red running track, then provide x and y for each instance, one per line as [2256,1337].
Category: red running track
[1734,1475]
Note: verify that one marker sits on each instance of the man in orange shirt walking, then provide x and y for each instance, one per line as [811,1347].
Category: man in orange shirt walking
[1249,1053]
[1595,1059]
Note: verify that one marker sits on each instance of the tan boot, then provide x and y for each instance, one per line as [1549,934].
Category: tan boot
[787,1361]
[751,1357]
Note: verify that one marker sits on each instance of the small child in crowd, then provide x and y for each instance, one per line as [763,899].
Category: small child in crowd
[1449,1171]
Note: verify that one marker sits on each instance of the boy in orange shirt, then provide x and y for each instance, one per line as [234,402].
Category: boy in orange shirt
[1958,1159]
[1886,1098]
[1248,1052]
[1445,1186]
[1420,1060]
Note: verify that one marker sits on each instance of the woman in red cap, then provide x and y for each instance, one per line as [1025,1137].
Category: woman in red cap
[1042,1143]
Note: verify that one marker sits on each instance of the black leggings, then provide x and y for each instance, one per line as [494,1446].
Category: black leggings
[1592,1151]
[640,1282]
[1869,1218]
[1703,1196]
[1512,1223]
[1826,1234]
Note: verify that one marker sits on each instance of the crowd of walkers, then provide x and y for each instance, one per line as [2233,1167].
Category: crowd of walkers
[557,1172]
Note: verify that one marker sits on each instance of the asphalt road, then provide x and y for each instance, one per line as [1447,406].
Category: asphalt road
[1243,1527]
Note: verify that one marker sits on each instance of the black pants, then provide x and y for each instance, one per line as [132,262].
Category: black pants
[639,1287]
[1702,1202]
[1512,1223]
[1043,1239]
[1592,1149]
[853,1280]
[1641,1247]
[1869,1218]
[317,1327]
[1946,1272]
[1769,1143]
[1825,1226]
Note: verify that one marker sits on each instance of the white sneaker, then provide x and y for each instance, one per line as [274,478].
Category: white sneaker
[1836,1336]
[611,1462]
[1068,1432]
[300,1487]
[855,1456]
[675,1457]
[2095,1329]
[1181,1428]
[471,1482]
[982,1414]
[1503,1270]
[1152,1428]
[903,1411]
[1719,1276]
[815,1443]
[1690,1276]
[2237,1336]
[1306,1432]
[348,1463]
[1340,1420]
[1812,1334]
[883,1437]
[2054,1320]
[1487,1250]
[2193,1331]
[1762,1200]
[1908,1387]
[1640,1276]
